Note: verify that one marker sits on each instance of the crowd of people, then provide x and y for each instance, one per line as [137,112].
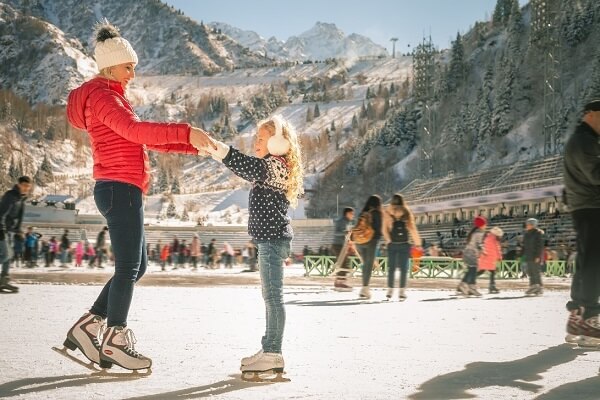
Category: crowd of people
[180,254]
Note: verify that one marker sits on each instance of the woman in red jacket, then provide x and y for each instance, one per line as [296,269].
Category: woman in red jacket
[119,142]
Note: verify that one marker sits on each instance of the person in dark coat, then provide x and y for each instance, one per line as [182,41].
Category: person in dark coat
[582,193]
[533,248]
[12,208]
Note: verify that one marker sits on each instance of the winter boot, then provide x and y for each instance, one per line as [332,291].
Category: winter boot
[252,359]
[365,293]
[402,295]
[340,285]
[118,348]
[473,291]
[86,335]
[6,286]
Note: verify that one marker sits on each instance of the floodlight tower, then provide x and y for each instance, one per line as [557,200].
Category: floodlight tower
[394,40]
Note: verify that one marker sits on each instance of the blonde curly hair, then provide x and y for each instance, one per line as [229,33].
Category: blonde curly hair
[293,157]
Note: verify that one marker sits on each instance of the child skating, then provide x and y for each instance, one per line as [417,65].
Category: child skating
[277,178]
[468,285]
[491,254]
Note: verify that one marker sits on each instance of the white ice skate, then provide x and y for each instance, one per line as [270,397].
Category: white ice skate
[268,367]
[572,339]
[473,291]
[390,293]
[402,295]
[118,348]
[252,359]
[86,336]
[365,293]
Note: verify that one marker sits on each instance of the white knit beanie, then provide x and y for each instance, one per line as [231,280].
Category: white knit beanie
[111,48]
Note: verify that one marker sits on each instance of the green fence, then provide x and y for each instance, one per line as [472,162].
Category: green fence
[444,268]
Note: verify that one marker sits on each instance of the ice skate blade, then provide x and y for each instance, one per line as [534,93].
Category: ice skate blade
[130,373]
[336,289]
[264,377]
[65,353]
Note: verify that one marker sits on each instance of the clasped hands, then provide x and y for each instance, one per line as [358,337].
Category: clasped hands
[202,141]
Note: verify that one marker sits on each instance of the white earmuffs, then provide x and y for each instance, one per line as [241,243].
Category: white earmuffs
[277,144]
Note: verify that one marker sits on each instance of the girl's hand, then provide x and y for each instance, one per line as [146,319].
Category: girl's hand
[201,140]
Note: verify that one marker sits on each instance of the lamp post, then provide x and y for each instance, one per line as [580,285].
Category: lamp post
[337,202]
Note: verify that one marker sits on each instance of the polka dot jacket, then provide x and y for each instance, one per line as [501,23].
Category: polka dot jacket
[268,204]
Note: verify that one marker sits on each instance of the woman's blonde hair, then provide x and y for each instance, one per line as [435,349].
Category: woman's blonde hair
[293,158]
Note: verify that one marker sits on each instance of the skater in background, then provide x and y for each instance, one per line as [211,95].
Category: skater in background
[399,230]
[18,247]
[65,246]
[372,211]
[343,227]
[164,257]
[228,254]
[276,174]
[90,253]
[12,207]
[31,247]
[79,253]
[582,181]
[53,244]
[212,254]
[101,246]
[533,248]
[195,251]
[119,141]
[491,254]
[471,254]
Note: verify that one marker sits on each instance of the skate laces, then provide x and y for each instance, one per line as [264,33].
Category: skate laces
[130,340]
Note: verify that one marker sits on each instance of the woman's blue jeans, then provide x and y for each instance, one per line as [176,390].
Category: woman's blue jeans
[122,206]
[271,256]
[398,258]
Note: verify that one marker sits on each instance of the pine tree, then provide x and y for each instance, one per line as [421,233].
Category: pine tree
[175,188]
[457,70]
[309,114]
[515,31]
[368,95]
[13,170]
[501,116]
[332,127]
[316,112]
[171,210]
[354,121]
[163,181]
[185,216]
[498,16]
[363,111]
[593,90]
[44,175]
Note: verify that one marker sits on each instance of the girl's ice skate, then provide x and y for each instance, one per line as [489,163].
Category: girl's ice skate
[252,359]
[340,284]
[118,348]
[268,367]
[85,335]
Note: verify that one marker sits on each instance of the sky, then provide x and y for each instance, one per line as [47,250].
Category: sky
[380,20]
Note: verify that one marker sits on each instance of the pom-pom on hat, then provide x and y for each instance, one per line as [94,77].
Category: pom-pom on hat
[497,231]
[111,49]
[479,222]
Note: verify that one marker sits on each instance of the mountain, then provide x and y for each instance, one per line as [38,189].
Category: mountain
[32,50]
[322,41]
[167,42]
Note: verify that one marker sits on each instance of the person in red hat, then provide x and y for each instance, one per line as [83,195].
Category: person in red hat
[468,285]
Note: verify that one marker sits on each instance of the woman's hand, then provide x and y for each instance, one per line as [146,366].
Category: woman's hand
[201,140]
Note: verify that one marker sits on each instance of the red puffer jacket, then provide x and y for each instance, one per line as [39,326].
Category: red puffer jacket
[119,139]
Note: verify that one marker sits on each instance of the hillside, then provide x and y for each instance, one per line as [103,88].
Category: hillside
[367,124]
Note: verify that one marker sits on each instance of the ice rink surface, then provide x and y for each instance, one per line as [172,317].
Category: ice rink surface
[432,346]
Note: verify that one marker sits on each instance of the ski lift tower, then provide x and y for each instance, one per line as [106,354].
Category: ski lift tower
[394,40]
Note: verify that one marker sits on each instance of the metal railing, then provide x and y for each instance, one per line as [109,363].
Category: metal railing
[429,268]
